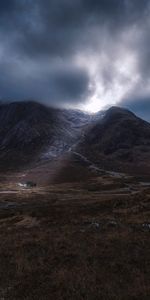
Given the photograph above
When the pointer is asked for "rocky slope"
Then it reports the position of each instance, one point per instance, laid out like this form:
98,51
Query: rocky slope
119,140
30,131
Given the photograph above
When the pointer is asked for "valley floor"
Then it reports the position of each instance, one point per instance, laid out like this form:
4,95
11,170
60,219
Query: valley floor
75,241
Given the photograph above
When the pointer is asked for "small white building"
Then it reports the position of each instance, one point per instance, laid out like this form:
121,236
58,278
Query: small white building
28,184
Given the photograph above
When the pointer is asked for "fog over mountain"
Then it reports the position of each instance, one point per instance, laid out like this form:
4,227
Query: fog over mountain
86,54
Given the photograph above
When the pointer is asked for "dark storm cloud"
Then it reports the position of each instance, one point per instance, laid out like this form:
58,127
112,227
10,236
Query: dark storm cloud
62,84
58,27
6,6
41,40
70,83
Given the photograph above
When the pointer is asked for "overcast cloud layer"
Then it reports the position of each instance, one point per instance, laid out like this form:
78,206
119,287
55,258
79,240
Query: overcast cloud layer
82,53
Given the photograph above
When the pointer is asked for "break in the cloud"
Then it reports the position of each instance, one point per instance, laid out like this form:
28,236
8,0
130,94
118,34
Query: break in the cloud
141,106
84,53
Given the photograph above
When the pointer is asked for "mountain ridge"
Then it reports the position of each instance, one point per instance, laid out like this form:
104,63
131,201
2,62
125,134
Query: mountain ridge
31,132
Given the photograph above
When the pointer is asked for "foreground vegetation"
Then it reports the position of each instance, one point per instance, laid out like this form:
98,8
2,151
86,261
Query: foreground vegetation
76,241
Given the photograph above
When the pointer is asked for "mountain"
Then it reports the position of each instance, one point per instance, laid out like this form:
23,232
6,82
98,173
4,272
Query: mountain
30,131
115,139
118,140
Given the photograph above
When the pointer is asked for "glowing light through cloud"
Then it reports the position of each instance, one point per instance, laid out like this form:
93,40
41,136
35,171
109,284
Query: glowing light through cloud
106,89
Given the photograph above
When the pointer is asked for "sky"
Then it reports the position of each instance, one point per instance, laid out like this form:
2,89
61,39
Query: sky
87,54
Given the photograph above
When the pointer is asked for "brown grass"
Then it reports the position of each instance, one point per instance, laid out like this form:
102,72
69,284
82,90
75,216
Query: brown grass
73,243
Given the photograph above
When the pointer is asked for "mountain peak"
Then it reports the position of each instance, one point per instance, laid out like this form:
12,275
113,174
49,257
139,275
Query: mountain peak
116,110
